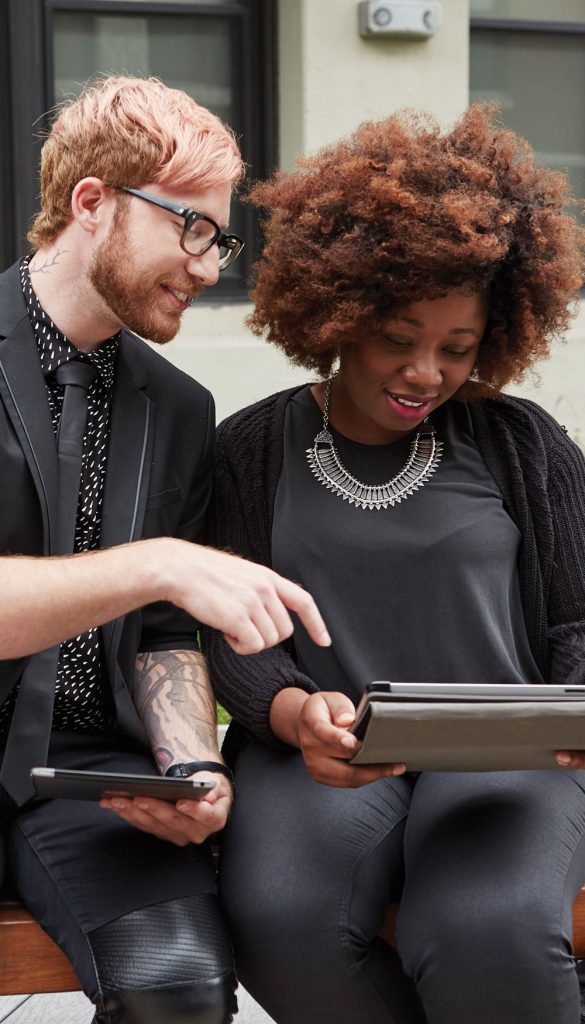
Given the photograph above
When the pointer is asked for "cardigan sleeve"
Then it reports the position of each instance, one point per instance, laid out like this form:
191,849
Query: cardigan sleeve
566,606
541,475
240,522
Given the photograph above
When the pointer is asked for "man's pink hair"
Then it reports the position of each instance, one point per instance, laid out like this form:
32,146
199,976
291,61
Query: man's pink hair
130,131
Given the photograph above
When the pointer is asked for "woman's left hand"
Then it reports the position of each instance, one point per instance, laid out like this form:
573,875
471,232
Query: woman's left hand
327,745
571,758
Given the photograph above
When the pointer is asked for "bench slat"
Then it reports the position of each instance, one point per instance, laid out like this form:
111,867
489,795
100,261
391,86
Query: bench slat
30,962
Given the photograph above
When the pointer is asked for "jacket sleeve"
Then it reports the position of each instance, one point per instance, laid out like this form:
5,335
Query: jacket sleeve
246,685
164,626
566,606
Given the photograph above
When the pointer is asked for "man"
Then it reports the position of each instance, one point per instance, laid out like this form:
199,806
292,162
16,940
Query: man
112,462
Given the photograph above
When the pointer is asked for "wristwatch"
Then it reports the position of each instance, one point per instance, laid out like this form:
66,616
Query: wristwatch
183,769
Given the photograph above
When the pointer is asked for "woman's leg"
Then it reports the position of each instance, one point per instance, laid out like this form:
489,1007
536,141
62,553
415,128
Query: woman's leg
306,874
493,864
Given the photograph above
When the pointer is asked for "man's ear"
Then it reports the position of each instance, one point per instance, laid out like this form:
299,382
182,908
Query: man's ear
91,203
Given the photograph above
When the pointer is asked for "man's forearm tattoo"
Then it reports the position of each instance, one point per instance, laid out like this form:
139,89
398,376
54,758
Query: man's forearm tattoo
176,706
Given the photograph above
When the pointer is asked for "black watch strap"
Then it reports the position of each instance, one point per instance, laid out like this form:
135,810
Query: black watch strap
183,770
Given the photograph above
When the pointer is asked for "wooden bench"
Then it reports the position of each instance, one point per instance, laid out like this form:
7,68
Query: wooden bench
31,963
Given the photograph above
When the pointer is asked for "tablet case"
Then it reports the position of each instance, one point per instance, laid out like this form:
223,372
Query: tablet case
470,736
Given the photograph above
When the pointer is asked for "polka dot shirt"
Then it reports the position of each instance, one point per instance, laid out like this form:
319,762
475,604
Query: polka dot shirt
82,694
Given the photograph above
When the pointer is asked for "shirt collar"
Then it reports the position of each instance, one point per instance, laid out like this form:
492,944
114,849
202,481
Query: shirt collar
53,346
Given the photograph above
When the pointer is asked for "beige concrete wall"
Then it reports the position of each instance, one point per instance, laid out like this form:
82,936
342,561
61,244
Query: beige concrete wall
330,81
557,383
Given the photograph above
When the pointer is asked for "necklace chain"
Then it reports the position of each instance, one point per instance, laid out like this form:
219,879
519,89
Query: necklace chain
423,459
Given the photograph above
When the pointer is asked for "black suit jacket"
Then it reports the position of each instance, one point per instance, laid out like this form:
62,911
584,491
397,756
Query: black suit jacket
157,483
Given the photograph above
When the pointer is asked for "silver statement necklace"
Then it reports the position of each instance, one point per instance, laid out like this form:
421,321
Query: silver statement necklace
323,458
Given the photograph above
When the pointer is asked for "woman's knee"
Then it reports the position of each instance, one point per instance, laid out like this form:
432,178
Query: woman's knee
464,938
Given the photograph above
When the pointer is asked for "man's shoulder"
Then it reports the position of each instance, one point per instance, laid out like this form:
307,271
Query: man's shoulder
12,304
154,370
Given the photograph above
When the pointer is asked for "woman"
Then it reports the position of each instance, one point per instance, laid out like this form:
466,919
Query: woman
418,272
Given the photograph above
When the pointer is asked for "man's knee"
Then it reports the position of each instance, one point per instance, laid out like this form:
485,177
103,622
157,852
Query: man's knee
170,963
211,1002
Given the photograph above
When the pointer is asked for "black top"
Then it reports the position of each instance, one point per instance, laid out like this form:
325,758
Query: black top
424,591
540,473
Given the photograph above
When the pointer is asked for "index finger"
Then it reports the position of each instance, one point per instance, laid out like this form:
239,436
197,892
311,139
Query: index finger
301,602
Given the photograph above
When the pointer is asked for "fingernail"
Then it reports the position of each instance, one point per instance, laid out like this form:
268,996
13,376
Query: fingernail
563,759
142,805
326,639
348,741
118,805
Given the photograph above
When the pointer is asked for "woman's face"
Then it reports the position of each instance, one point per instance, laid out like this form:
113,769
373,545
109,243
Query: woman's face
425,352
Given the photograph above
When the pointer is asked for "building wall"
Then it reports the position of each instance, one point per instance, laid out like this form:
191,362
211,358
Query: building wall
330,81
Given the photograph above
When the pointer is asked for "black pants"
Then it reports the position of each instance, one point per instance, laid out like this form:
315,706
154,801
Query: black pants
138,917
486,867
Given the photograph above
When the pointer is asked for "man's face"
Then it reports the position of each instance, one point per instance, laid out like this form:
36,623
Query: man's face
140,270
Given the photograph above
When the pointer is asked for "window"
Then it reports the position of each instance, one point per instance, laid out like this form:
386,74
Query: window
529,56
220,53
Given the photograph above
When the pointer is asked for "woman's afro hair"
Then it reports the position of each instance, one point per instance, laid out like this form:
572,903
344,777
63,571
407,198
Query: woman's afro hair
402,211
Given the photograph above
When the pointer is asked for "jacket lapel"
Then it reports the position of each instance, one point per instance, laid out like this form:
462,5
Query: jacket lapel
23,392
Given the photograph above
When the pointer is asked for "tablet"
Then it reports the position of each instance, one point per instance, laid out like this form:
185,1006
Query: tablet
68,784
382,689
469,727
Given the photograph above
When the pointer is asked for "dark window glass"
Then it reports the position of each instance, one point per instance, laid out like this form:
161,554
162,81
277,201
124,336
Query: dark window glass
516,68
219,52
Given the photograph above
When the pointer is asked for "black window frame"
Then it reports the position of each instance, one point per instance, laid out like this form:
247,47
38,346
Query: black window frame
527,25
26,98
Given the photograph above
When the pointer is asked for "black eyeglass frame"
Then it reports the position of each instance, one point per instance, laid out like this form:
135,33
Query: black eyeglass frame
233,243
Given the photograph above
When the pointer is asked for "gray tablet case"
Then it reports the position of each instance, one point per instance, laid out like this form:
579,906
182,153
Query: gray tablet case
476,736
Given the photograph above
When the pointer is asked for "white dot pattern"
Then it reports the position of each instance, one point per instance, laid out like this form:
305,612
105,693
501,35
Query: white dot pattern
82,693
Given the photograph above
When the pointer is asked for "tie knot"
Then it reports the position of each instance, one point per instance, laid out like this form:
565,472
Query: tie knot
75,372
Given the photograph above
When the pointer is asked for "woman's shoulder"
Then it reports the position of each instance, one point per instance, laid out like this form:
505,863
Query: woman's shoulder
518,428
258,418
514,413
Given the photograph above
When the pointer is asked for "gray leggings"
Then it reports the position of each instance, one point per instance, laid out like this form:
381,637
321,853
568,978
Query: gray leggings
486,867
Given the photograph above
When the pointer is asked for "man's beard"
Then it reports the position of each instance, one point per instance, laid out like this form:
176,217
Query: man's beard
126,291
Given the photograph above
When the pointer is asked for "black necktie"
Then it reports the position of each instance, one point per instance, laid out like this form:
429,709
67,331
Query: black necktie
30,729
76,377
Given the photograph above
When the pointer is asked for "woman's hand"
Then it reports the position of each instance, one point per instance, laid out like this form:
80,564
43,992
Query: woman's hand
318,724
571,758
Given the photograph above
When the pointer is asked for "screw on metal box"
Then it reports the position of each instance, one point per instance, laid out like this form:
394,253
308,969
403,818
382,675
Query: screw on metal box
382,16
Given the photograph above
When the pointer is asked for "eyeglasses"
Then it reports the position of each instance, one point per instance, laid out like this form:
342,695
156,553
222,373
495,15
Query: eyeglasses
200,232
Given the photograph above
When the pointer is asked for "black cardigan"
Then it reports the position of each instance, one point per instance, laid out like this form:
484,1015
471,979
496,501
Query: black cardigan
541,475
